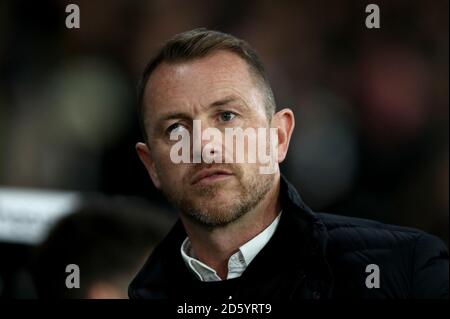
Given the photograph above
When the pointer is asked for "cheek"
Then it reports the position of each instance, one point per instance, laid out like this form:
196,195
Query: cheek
167,168
171,174
164,165
249,171
262,143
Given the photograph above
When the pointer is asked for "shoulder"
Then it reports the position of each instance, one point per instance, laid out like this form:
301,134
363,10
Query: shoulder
358,234
411,262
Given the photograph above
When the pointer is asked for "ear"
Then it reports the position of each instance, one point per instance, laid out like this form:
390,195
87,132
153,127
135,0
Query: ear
146,158
284,121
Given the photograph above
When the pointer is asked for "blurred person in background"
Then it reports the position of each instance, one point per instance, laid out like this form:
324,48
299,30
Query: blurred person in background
108,241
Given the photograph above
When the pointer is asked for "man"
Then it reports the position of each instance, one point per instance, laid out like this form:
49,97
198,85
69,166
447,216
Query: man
244,234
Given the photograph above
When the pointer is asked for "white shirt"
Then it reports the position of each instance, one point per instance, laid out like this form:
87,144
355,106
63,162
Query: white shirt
237,263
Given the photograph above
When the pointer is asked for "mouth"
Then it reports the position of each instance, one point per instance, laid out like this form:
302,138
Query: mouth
208,176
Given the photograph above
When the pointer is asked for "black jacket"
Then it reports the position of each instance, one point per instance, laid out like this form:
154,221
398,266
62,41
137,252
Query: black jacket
312,256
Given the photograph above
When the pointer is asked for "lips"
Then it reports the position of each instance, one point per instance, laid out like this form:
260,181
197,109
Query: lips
210,173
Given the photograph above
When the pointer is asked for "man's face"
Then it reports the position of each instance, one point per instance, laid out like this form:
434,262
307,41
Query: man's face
219,91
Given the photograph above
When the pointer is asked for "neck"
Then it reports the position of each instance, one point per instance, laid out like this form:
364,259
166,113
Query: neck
215,247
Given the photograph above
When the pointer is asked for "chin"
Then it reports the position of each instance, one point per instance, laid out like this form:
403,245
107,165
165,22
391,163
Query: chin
215,217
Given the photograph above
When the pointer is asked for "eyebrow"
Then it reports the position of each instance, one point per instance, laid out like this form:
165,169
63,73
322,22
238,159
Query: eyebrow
181,115
171,116
224,101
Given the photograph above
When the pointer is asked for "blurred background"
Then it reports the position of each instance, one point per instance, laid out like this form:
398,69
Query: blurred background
371,105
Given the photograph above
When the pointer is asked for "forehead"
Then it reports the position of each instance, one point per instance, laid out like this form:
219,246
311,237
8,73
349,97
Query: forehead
200,82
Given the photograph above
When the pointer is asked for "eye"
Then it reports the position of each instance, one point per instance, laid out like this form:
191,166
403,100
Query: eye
175,128
227,116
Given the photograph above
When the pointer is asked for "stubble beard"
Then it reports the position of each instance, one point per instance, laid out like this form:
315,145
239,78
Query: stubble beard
200,203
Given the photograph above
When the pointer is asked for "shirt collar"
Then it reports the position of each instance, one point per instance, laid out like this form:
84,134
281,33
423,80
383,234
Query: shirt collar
237,263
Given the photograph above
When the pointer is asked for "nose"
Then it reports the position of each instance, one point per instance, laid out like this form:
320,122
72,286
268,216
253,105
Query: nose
207,142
